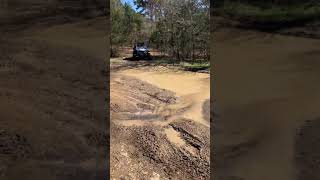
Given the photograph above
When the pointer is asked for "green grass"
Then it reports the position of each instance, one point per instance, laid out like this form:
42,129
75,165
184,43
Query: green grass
196,66
186,65
270,14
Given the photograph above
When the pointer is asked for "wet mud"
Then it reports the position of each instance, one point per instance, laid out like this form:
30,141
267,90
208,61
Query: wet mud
266,92
158,127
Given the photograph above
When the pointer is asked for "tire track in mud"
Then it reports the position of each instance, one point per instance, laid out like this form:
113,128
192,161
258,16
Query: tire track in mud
155,126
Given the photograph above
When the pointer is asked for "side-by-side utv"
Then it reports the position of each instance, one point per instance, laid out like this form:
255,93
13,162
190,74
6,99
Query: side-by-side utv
141,51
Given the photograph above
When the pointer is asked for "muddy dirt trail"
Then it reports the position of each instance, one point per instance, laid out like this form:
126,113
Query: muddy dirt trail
52,101
160,123
267,89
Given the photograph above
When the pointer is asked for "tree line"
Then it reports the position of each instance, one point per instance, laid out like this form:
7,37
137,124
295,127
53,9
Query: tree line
125,25
177,28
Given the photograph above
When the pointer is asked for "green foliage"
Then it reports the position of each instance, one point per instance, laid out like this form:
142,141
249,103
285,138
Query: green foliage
190,66
182,28
178,28
125,24
197,66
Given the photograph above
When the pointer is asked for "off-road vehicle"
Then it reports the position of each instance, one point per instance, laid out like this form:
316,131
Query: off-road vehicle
141,51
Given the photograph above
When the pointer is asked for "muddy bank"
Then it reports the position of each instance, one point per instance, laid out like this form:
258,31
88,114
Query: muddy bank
266,90
152,132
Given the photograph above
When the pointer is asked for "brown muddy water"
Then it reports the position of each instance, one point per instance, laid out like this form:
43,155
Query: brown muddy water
192,88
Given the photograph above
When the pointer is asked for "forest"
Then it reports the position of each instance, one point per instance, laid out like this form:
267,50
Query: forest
179,29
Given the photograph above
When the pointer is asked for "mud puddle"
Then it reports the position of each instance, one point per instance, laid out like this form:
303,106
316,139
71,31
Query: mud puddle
192,90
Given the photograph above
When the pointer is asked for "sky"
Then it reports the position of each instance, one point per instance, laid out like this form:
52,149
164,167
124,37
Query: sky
130,2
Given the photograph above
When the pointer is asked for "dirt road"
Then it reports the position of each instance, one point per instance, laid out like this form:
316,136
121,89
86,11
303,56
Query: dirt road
160,122
268,100
52,101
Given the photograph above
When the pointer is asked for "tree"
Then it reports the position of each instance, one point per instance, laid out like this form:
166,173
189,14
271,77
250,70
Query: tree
182,28
125,24
178,28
